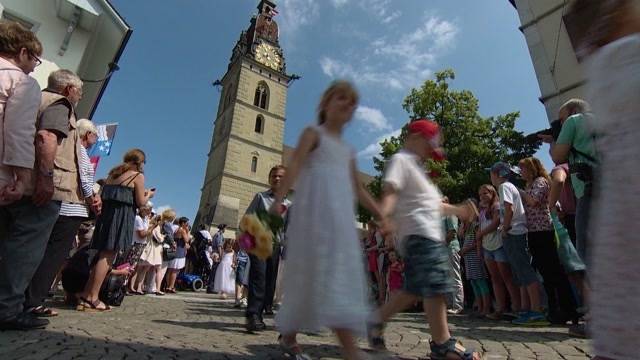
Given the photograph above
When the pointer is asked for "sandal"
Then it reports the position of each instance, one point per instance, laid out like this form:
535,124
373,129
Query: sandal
292,350
494,316
170,291
451,347
95,306
43,311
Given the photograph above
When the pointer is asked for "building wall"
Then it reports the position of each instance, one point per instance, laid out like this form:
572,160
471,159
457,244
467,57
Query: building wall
560,75
235,142
51,33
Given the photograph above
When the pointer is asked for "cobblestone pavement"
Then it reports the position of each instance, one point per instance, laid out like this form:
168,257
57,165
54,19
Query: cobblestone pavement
200,326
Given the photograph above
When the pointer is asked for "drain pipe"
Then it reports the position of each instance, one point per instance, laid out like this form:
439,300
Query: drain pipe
73,23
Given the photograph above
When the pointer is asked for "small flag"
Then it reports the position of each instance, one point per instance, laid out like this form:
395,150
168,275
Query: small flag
102,147
273,12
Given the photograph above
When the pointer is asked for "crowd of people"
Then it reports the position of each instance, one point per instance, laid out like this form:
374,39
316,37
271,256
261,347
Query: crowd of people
534,247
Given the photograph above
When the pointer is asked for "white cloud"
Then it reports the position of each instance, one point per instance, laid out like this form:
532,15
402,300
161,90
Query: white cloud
381,9
374,148
339,3
401,62
372,117
293,14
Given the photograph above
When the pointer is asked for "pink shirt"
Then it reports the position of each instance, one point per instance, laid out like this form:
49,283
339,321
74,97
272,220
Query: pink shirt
19,103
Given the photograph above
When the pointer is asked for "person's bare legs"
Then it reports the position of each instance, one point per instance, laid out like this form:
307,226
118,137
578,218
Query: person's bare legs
350,349
435,309
141,272
98,274
172,274
525,303
399,301
160,271
514,292
498,285
533,290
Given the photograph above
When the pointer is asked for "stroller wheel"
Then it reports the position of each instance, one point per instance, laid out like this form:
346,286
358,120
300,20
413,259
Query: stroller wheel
197,284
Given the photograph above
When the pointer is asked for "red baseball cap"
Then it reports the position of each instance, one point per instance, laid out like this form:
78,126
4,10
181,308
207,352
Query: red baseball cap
431,132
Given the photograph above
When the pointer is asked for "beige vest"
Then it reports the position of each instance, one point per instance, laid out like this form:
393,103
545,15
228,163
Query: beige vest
66,175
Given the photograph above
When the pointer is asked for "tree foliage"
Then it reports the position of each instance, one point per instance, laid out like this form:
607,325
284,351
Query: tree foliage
472,142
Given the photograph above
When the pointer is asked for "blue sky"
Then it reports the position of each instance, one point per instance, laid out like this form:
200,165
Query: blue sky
164,102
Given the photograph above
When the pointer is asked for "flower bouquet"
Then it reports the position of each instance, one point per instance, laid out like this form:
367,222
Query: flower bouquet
259,233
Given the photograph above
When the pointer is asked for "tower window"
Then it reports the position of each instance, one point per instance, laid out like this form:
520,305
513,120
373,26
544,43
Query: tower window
261,97
259,127
254,164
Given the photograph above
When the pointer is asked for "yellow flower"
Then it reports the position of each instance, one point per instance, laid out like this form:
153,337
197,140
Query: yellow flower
254,226
244,222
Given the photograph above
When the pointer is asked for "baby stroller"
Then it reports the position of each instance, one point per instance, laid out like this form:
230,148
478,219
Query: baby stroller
200,267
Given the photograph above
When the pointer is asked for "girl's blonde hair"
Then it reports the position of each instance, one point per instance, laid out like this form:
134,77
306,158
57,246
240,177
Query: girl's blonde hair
535,167
336,87
168,215
495,199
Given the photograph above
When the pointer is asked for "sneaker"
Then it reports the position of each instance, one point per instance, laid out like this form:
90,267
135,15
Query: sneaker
244,302
531,318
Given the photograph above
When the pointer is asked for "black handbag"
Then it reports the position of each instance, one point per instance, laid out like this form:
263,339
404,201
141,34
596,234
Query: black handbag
112,291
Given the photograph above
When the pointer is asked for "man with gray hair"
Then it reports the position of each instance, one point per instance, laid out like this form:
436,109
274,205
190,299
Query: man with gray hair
575,144
74,185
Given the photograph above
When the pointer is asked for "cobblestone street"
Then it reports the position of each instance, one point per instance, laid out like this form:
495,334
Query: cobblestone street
200,326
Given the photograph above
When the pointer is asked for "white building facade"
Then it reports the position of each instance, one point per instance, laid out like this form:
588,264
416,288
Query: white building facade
560,75
84,36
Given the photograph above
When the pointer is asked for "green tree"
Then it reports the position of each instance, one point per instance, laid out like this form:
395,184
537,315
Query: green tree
472,142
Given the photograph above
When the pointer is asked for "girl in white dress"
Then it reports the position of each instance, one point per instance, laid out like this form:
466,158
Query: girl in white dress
225,280
324,280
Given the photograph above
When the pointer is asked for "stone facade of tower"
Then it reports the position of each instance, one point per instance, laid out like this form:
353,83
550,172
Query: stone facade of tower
249,128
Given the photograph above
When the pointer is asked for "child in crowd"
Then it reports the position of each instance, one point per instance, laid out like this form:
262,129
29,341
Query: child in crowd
394,276
495,257
241,262
325,286
225,281
513,227
416,204
474,268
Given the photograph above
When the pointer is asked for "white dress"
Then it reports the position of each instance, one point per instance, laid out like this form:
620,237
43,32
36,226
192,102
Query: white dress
324,281
614,93
225,280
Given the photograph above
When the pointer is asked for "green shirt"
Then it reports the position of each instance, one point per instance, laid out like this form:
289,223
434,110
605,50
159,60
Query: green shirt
576,134
451,224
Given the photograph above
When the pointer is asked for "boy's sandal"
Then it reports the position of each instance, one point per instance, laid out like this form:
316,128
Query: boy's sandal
451,347
43,311
375,336
292,350
494,316
95,306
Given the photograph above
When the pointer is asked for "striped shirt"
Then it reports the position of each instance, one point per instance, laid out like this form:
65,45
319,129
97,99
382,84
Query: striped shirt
86,182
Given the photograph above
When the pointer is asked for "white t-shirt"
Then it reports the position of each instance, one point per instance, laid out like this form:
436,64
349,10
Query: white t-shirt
142,225
510,194
418,210
206,234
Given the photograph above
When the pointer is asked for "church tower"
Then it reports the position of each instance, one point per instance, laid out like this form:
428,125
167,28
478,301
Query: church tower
249,127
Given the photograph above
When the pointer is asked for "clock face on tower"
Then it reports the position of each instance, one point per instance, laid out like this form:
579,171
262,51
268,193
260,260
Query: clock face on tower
268,55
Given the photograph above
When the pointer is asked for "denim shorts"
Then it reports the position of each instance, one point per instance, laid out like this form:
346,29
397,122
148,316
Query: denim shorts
515,246
240,273
497,255
427,270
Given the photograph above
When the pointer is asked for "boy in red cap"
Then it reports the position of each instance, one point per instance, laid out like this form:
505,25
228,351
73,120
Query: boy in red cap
417,209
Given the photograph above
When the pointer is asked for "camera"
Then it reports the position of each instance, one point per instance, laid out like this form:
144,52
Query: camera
554,131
